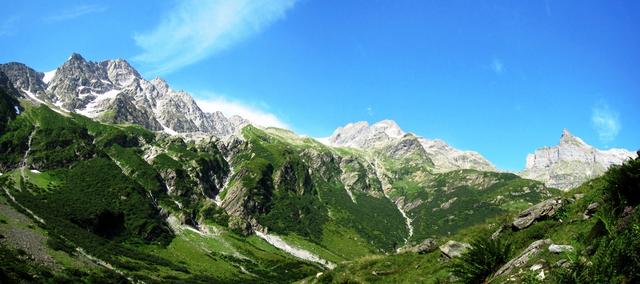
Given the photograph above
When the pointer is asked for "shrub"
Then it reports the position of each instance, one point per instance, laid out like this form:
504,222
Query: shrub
481,260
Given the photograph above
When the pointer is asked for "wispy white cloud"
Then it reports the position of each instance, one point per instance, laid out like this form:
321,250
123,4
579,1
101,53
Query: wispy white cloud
194,30
370,111
606,122
215,102
497,66
7,26
75,12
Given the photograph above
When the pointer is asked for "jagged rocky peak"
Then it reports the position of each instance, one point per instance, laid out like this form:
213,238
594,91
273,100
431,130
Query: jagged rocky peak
362,135
571,162
113,91
569,139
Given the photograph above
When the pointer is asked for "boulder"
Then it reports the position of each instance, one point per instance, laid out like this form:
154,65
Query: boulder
591,209
560,248
425,246
533,249
539,211
454,249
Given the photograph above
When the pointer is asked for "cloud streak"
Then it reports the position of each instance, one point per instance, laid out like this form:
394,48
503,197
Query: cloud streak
606,122
75,12
230,108
195,30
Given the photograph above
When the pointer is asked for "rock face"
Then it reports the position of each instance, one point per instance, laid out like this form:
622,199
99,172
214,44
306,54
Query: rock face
522,259
454,249
388,136
539,211
571,162
112,91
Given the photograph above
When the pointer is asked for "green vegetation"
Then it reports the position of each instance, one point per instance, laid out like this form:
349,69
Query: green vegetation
485,256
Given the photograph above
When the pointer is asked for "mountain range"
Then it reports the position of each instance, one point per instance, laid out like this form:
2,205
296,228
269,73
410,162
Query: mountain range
112,91
132,176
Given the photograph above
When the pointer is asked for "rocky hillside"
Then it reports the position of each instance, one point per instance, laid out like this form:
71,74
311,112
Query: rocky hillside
588,235
112,91
571,162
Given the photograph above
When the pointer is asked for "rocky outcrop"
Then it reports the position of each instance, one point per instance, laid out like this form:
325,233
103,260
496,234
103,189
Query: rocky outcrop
425,246
571,162
454,249
522,259
359,176
591,209
542,210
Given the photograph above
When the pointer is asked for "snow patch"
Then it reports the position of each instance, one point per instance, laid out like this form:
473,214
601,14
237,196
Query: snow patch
218,200
17,109
48,76
91,110
297,252
35,171
168,130
33,97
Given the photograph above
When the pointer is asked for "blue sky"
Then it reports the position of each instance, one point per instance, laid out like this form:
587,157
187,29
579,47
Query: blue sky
499,77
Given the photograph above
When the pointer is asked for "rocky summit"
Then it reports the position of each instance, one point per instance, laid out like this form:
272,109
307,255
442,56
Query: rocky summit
113,91
571,162
386,133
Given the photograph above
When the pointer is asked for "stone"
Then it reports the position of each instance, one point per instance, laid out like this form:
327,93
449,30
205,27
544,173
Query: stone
533,249
425,246
454,249
591,209
539,211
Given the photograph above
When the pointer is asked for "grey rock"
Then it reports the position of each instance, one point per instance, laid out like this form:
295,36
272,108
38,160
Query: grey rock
591,209
454,249
517,262
425,246
539,211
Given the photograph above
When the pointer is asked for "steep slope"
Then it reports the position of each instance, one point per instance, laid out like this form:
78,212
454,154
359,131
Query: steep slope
571,162
112,91
125,200
445,158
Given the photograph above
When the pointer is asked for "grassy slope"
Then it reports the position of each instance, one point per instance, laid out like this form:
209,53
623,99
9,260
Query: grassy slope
93,192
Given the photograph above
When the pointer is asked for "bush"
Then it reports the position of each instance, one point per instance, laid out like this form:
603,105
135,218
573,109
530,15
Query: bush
623,186
479,262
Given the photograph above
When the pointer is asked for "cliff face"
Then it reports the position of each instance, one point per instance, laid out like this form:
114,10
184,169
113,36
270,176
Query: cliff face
571,162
